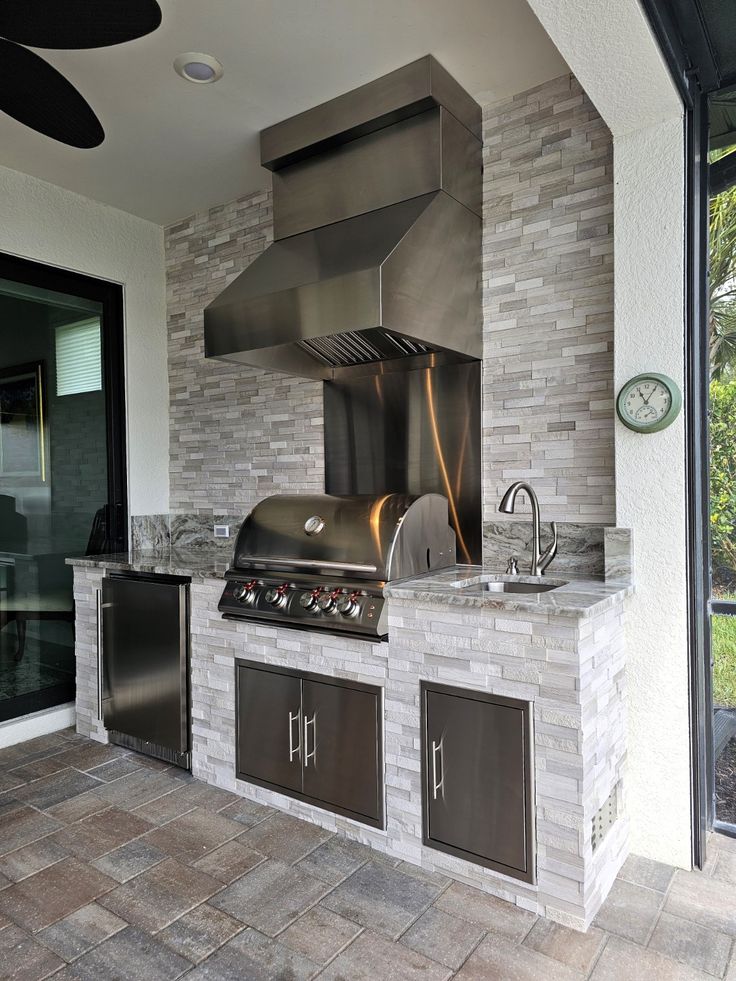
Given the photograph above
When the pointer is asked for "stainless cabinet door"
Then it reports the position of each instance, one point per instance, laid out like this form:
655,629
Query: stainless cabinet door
269,728
341,749
144,661
476,770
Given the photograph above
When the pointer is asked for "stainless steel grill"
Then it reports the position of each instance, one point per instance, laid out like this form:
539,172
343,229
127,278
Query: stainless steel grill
320,562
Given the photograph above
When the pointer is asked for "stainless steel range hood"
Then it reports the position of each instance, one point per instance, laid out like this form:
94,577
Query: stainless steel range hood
376,258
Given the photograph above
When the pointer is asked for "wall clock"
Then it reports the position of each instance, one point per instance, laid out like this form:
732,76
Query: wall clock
649,403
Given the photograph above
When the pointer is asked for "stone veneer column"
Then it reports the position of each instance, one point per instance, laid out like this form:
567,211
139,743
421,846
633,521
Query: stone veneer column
548,302
87,582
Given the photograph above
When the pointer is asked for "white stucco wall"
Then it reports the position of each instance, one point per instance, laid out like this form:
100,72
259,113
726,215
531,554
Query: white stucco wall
612,52
650,487
610,48
49,224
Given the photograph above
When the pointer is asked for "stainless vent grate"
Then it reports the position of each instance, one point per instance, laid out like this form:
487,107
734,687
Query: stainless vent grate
605,818
151,749
361,347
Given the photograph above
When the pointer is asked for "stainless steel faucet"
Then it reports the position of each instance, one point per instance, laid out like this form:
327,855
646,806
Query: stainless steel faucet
540,560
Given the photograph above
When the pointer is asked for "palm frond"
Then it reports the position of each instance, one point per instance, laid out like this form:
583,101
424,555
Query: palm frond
722,280
722,337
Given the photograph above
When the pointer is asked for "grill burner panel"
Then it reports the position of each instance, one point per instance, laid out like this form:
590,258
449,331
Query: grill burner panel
321,562
352,610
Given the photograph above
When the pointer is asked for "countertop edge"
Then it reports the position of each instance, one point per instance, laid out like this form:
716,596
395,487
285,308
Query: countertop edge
198,564
579,598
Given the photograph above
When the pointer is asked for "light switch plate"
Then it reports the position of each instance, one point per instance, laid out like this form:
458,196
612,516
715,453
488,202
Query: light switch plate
222,531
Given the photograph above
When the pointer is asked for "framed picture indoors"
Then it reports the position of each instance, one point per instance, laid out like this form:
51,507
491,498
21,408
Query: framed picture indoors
22,435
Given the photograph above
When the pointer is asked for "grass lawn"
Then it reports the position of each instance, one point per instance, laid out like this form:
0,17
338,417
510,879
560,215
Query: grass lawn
724,660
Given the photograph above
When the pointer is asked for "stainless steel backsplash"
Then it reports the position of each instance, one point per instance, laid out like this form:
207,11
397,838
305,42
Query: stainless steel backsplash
415,432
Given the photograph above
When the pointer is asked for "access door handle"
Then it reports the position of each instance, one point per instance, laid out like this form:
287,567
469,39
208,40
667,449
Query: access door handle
437,785
294,750
307,755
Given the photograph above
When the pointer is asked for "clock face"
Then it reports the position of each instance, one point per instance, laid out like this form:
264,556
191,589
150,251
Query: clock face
649,403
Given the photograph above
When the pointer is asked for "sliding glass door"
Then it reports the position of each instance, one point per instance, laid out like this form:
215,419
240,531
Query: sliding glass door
722,433
62,467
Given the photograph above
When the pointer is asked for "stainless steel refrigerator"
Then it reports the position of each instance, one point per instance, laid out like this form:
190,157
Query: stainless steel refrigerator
145,664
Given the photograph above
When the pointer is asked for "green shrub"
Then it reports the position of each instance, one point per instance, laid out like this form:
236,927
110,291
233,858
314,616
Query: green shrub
724,660
723,483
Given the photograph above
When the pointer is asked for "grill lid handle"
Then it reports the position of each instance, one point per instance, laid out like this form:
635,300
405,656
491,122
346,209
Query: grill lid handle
272,560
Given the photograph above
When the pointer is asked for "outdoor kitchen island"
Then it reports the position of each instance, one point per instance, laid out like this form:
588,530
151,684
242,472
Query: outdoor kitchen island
559,652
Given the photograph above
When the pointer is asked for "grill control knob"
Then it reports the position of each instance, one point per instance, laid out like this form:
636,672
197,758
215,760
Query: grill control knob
348,606
326,603
276,596
308,601
243,592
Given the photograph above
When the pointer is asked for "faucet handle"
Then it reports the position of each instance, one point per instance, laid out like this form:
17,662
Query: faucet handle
512,569
549,553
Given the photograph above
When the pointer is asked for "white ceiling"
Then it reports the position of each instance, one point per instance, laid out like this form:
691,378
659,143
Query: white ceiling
173,148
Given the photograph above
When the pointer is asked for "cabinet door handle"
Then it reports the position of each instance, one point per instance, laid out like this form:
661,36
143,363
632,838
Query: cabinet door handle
99,654
437,785
294,750
307,755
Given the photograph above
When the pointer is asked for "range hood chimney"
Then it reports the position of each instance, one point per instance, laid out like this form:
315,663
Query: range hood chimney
376,258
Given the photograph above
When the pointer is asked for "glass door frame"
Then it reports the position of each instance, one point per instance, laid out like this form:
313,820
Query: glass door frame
681,40
111,298
697,377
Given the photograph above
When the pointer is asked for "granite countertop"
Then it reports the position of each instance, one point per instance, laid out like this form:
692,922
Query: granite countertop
197,563
460,585
463,586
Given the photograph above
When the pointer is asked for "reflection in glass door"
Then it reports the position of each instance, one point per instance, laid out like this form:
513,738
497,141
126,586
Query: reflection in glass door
722,436
61,468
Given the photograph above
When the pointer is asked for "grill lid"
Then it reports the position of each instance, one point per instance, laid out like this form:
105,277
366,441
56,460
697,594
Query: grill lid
359,537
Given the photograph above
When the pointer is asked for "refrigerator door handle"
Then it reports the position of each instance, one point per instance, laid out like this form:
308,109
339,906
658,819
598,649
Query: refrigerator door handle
184,666
98,593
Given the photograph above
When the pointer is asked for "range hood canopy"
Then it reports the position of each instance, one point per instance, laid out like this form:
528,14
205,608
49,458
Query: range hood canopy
376,256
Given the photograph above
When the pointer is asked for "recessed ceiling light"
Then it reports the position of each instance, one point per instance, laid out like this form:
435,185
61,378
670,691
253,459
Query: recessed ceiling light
197,67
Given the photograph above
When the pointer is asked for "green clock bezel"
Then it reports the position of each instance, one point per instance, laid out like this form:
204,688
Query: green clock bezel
667,420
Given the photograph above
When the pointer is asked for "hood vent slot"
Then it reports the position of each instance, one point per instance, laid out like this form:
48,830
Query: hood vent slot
361,347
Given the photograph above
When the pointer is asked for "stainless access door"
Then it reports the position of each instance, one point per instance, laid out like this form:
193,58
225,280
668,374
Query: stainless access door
477,778
145,647
341,750
269,728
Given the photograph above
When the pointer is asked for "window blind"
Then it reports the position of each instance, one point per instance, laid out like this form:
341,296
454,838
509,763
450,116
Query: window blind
78,358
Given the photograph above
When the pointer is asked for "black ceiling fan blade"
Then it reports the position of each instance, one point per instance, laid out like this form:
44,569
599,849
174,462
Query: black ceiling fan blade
77,23
36,94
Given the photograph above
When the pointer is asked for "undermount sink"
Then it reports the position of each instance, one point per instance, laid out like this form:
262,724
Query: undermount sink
519,587
529,585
